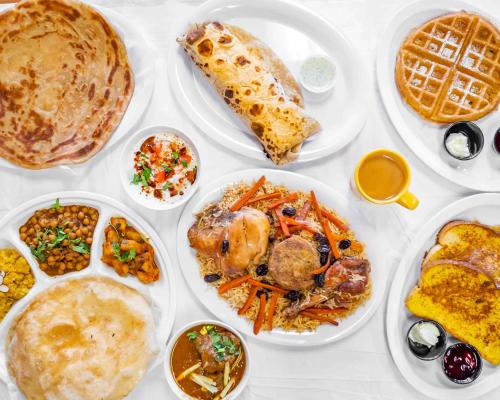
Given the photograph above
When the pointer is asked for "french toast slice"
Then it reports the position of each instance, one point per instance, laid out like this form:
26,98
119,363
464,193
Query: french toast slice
471,242
464,300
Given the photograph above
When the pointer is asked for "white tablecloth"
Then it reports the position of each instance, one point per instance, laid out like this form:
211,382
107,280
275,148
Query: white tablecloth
357,368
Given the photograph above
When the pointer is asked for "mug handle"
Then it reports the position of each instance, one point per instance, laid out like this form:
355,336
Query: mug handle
408,200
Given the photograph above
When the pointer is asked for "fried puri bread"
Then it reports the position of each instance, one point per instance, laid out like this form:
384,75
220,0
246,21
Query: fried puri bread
255,83
448,69
463,300
82,339
471,242
65,82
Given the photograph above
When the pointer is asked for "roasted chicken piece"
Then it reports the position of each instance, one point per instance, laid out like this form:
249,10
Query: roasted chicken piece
291,263
236,240
346,275
126,250
211,361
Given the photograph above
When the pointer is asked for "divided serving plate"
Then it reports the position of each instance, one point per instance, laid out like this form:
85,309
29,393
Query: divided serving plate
427,376
294,33
425,138
208,295
160,294
142,59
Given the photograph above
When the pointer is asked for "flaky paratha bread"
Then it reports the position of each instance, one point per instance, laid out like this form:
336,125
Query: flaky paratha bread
448,69
255,83
65,82
82,339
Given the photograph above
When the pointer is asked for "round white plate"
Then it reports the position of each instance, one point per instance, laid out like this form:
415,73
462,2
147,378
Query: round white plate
208,296
424,138
427,376
142,59
294,33
160,294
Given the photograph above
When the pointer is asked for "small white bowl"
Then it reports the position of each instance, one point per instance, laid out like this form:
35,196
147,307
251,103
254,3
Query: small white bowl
168,370
327,85
127,169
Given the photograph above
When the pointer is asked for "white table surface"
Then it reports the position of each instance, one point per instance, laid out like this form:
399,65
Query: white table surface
357,368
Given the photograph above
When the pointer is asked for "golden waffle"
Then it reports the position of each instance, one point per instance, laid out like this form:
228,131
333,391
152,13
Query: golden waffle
449,68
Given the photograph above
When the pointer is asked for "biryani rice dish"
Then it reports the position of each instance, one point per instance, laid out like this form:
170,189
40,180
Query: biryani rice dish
340,302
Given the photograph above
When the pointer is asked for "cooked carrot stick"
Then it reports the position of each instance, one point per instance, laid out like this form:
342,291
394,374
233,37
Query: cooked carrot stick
281,219
291,221
272,309
357,246
248,303
263,197
315,204
320,270
304,227
334,220
325,310
324,224
318,317
248,195
286,199
232,284
260,315
265,285
302,213
331,238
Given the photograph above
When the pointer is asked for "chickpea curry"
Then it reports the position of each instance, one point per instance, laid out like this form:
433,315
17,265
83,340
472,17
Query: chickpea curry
208,362
128,251
60,237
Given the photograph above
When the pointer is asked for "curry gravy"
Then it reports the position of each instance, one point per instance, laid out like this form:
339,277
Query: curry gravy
185,355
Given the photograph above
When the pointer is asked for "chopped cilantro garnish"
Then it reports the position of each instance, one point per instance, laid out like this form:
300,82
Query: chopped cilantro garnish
56,205
61,236
136,179
167,185
39,251
192,335
175,156
166,168
143,176
223,346
81,248
123,256
185,163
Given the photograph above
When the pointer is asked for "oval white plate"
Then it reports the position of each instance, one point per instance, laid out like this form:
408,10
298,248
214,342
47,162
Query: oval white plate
208,296
427,376
160,294
424,138
294,33
143,62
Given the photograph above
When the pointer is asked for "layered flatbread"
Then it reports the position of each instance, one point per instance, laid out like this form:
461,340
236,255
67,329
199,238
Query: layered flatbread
65,82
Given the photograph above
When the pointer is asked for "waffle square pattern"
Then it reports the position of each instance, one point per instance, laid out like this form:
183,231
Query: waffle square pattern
448,69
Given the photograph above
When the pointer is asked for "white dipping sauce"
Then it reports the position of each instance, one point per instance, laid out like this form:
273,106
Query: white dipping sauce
458,145
317,74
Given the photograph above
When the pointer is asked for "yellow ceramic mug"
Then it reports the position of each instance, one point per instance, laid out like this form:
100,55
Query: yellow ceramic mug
383,176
